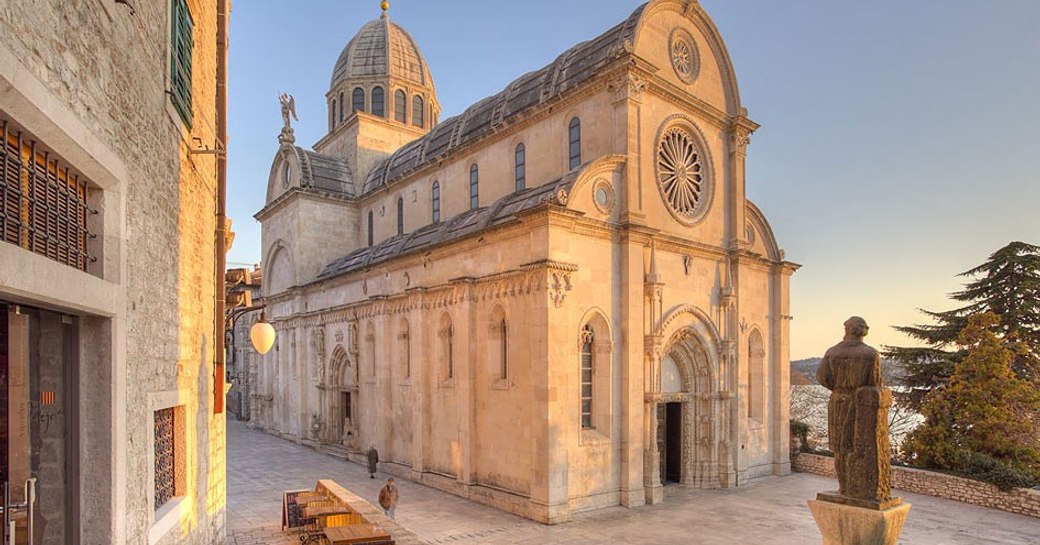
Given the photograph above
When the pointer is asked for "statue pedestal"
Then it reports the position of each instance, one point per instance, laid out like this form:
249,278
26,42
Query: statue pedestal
842,524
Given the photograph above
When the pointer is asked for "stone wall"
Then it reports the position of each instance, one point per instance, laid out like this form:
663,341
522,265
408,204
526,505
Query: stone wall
1023,501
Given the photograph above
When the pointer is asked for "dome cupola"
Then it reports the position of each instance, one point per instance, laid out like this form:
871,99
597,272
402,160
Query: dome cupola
382,72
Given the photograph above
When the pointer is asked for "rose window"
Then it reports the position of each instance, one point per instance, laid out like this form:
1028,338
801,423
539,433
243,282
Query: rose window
683,54
679,173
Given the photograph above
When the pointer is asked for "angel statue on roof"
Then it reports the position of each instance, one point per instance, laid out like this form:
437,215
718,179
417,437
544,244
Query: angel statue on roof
288,108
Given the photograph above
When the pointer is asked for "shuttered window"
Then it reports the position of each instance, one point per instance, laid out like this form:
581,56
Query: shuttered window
181,45
43,201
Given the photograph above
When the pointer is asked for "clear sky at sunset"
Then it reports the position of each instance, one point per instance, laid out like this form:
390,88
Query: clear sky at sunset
899,142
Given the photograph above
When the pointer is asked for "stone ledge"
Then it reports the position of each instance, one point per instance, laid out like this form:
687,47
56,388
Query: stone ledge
1022,501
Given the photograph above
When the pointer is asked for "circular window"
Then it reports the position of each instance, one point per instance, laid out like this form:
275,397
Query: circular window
684,55
682,175
603,196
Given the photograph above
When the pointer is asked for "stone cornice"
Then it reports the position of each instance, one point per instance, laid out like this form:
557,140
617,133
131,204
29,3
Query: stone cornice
310,193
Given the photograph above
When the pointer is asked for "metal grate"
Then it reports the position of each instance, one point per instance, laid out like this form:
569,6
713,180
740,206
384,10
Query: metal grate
165,468
586,379
43,202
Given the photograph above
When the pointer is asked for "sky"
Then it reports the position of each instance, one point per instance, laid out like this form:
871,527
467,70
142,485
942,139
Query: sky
898,147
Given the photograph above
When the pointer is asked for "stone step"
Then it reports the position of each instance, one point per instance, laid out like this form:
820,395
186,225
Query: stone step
339,451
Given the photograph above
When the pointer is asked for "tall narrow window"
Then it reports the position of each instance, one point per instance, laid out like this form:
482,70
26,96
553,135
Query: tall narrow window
474,187
371,224
436,201
358,100
451,352
400,215
574,133
521,169
417,112
586,377
341,106
400,104
378,105
168,483
332,115
756,376
406,350
181,44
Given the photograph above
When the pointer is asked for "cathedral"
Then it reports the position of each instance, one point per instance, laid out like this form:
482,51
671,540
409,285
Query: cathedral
559,300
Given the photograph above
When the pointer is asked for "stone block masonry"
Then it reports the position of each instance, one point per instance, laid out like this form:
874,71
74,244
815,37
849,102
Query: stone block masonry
1022,501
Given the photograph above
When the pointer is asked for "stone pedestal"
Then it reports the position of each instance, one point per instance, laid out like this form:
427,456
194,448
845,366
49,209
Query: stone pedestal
849,525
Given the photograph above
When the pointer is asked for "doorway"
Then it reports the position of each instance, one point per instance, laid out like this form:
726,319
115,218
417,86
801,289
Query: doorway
669,441
346,411
38,425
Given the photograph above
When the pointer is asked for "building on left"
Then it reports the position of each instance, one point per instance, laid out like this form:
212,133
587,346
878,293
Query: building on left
112,172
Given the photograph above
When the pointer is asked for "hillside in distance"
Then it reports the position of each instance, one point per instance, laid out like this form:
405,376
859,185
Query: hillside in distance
804,371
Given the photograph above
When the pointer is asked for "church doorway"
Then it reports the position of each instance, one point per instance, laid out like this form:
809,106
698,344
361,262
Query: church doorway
669,441
345,410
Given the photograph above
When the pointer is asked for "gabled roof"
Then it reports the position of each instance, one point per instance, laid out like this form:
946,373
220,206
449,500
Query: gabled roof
457,228
569,70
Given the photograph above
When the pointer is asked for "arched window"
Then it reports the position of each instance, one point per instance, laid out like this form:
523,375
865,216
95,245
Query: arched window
498,343
400,215
358,100
474,187
587,337
378,106
332,115
574,133
436,200
417,111
371,224
521,170
400,103
341,106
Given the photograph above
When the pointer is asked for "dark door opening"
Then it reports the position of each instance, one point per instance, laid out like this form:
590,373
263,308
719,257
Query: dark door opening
669,441
344,404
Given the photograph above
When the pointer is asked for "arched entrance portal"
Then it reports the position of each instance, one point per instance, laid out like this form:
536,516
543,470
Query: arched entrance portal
687,410
342,388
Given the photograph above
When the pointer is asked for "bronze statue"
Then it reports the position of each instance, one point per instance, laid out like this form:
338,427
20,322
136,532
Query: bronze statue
857,417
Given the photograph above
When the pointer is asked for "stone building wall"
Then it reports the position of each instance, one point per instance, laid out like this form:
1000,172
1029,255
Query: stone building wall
1023,501
98,71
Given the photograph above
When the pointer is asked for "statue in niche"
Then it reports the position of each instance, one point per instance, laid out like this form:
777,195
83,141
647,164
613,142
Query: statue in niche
857,418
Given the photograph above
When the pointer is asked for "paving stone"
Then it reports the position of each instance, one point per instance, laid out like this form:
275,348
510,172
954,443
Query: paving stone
770,512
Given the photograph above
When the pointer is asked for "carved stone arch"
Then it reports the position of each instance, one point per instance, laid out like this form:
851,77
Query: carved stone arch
696,370
681,316
276,184
341,368
699,18
607,167
279,268
598,319
764,232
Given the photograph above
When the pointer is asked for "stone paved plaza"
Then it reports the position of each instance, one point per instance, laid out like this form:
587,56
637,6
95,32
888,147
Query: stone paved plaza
772,512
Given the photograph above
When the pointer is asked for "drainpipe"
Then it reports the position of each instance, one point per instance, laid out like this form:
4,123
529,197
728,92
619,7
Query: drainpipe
221,236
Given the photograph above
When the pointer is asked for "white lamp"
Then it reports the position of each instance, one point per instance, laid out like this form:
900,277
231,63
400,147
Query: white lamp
262,334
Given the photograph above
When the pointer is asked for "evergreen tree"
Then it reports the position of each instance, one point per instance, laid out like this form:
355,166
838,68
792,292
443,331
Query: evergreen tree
985,409
1008,285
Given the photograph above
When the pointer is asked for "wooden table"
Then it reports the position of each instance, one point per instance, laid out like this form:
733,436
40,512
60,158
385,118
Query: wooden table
356,533
303,498
314,512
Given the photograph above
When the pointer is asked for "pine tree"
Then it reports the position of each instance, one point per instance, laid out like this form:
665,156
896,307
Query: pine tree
985,409
1008,285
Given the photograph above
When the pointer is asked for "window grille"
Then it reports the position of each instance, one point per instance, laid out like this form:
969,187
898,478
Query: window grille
43,202
181,45
417,111
436,202
165,463
358,99
474,187
378,104
586,378
575,143
400,215
521,169
400,104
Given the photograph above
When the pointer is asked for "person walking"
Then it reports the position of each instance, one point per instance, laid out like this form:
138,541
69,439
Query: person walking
388,497
373,460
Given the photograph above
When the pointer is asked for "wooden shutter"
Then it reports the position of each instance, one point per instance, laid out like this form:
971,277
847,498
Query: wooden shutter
181,46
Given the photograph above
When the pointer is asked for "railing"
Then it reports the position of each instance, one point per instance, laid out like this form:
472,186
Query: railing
44,204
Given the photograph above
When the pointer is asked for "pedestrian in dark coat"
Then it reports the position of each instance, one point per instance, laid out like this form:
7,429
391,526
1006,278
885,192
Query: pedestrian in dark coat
373,460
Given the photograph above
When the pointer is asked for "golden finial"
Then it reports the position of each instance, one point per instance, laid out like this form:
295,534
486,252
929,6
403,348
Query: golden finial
385,5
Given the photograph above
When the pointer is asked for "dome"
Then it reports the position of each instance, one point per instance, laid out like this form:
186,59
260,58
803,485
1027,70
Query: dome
382,49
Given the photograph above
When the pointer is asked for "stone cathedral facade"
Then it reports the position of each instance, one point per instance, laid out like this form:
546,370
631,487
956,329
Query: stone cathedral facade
559,300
